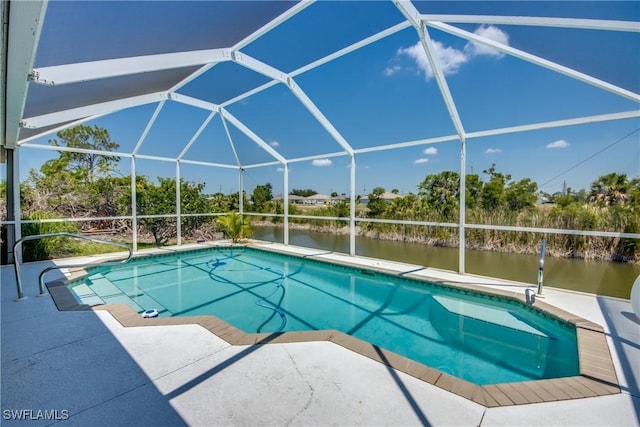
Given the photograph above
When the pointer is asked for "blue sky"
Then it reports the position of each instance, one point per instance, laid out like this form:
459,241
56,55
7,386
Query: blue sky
385,93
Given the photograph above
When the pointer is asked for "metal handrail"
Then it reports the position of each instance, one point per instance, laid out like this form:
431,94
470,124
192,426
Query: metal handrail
543,246
46,270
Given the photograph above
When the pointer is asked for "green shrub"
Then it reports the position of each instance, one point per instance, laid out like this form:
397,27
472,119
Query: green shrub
235,226
50,247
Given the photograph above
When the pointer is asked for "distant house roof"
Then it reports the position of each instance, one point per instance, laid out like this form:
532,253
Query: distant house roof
390,196
292,197
318,197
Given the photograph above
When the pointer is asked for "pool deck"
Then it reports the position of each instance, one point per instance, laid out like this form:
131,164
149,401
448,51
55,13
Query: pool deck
86,368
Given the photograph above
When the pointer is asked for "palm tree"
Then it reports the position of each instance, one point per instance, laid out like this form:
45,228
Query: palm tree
235,226
634,191
440,191
219,202
610,189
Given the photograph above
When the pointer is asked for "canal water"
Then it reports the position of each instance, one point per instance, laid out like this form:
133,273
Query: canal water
597,277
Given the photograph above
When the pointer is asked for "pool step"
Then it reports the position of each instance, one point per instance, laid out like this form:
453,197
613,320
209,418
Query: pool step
85,295
110,293
103,286
494,334
105,291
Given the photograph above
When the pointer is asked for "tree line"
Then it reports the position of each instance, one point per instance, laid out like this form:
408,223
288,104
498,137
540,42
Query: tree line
83,185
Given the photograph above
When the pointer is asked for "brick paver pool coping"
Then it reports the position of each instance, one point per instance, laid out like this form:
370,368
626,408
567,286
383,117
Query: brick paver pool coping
597,374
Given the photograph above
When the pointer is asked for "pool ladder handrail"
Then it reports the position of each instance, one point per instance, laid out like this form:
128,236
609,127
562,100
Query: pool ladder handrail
543,247
55,267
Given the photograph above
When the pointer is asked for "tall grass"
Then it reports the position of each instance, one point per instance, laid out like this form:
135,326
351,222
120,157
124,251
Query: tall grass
50,247
575,216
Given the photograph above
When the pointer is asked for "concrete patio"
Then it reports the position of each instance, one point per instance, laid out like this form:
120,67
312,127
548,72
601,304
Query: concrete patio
84,368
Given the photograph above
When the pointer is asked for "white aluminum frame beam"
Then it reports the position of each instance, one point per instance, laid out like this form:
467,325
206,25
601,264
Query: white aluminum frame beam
352,206
594,233
258,66
287,14
556,124
409,222
14,233
385,33
233,146
241,193
261,165
418,142
262,214
75,150
217,165
577,23
353,47
550,65
194,102
286,203
134,205
200,71
102,108
59,128
77,219
280,76
126,155
315,111
318,156
462,215
248,132
502,131
4,37
249,93
94,70
320,218
25,26
442,82
411,13
196,135
158,158
247,40
178,204
147,128
471,135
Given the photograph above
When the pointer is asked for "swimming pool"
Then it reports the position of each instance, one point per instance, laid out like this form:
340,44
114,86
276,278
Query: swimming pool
484,339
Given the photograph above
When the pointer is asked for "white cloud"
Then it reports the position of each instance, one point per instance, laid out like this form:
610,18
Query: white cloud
280,169
431,151
489,32
322,162
390,71
420,161
274,144
493,150
561,143
450,58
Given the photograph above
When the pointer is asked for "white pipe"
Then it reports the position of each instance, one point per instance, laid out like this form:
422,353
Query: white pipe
178,205
463,206
352,208
286,204
134,208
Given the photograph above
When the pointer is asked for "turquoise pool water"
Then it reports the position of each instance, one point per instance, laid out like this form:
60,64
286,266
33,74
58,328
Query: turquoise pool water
482,339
